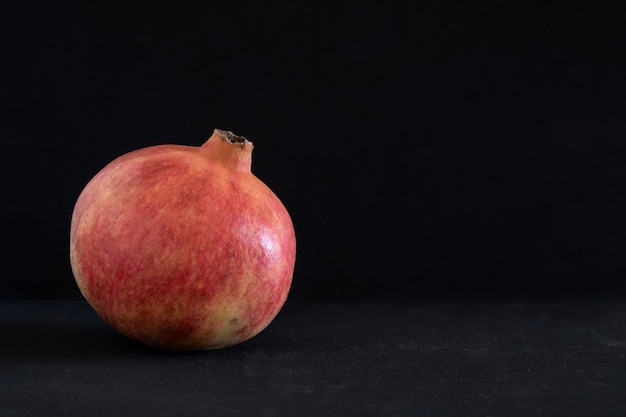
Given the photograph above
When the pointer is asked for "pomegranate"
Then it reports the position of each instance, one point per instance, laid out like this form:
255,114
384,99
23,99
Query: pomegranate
182,247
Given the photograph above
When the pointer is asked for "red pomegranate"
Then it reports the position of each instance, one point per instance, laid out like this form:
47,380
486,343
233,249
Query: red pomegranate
182,247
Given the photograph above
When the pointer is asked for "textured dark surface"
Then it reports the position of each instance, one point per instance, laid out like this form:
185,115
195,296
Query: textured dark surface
434,359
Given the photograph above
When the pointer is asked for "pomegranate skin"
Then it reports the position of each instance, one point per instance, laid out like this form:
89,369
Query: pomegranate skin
182,247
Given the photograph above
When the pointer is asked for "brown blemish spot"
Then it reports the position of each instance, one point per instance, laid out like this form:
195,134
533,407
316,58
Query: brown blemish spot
234,321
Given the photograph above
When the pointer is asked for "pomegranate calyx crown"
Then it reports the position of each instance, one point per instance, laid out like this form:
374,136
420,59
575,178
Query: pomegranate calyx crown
230,137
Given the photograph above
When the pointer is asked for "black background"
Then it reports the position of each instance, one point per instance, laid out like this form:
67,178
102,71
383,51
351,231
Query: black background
429,149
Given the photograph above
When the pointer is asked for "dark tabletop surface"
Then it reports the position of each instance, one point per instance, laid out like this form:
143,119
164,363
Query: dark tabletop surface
421,359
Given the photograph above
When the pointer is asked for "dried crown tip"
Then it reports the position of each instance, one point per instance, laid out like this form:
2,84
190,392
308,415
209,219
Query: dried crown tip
232,138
